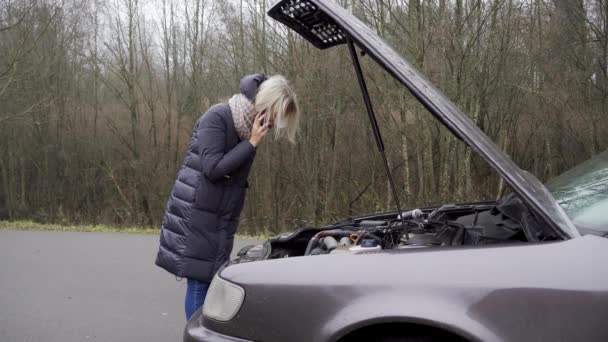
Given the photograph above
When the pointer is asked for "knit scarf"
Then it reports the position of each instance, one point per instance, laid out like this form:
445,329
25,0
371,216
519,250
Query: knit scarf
243,115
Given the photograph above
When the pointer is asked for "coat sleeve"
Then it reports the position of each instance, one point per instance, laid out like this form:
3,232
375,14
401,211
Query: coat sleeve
212,141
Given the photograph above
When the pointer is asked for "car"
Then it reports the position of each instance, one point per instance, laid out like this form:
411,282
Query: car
530,266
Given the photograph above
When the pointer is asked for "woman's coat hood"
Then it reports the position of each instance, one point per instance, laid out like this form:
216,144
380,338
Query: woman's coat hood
250,84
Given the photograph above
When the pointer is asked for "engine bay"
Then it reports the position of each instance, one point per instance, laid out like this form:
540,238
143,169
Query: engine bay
483,223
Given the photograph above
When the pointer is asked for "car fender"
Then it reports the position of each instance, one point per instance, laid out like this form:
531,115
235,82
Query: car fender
434,310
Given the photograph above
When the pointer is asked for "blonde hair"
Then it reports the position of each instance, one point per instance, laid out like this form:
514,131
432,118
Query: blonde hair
276,97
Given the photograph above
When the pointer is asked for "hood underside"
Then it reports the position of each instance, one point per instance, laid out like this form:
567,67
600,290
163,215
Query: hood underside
326,24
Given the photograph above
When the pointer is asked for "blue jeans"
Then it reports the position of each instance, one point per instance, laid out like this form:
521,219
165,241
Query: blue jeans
195,296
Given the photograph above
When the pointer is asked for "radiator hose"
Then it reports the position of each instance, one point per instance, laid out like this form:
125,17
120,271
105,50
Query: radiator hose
315,239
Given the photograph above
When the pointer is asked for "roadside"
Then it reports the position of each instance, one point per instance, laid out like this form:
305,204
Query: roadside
31,225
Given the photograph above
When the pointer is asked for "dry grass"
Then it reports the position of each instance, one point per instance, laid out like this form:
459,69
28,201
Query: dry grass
31,225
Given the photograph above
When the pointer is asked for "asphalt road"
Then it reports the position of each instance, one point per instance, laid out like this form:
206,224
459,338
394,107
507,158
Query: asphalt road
66,286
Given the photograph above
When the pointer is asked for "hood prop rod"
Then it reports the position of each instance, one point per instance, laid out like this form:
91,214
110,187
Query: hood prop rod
375,128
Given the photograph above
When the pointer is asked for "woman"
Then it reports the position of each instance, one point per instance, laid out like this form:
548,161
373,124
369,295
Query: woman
203,210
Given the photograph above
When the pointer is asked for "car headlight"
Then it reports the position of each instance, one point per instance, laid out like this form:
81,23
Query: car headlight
223,300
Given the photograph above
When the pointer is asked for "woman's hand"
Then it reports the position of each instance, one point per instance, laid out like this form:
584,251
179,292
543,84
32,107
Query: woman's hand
259,130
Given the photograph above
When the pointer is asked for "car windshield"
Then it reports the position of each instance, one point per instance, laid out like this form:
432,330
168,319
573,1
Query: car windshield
583,193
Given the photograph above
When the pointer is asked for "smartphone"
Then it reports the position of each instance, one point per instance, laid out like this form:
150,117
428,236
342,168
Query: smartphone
264,119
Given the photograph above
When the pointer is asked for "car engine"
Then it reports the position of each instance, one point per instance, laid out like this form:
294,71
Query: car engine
482,223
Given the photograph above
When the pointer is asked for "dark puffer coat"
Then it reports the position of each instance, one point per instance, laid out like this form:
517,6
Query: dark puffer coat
205,203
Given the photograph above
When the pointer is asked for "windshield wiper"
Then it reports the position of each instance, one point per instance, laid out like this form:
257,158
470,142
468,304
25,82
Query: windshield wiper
375,128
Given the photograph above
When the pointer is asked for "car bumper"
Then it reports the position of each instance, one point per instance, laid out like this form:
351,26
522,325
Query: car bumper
196,332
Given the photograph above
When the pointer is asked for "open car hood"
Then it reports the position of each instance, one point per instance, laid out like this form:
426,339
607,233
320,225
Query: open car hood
326,24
